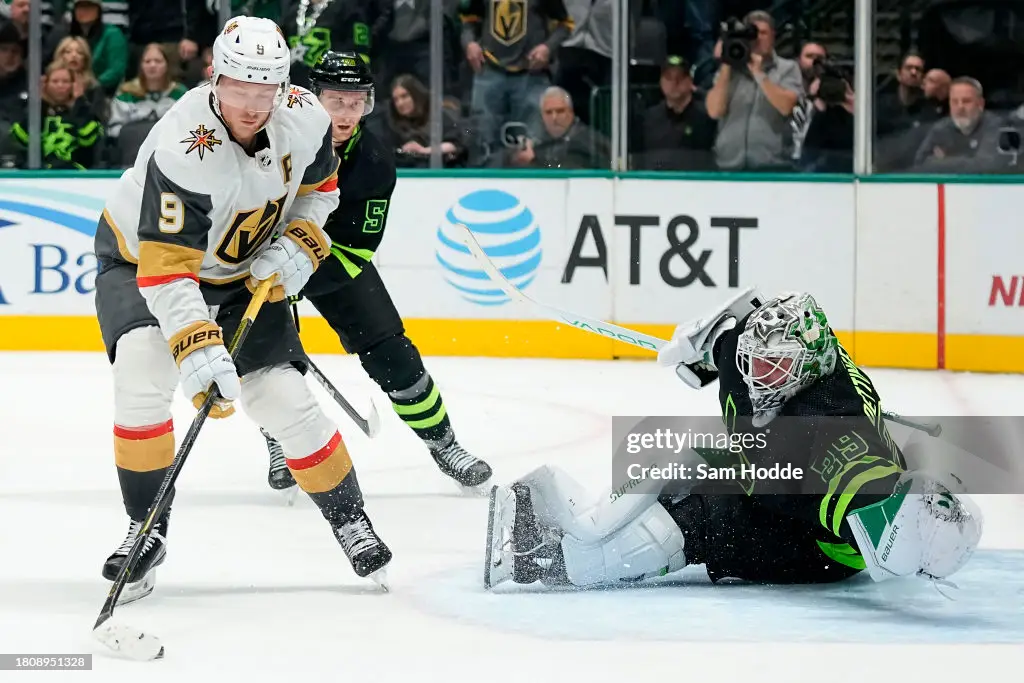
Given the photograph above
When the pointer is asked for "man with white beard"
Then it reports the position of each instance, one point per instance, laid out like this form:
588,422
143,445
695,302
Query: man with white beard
966,141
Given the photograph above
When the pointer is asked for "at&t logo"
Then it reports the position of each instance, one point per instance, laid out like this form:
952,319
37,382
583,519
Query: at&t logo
508,233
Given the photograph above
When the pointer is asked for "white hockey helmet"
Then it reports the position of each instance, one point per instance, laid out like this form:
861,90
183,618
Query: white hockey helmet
251,50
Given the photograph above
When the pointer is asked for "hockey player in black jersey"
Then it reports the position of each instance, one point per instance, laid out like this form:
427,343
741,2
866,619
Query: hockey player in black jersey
348,291
783,375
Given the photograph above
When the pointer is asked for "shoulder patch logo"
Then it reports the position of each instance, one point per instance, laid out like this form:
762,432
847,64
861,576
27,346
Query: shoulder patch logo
297,97
201,141
231,27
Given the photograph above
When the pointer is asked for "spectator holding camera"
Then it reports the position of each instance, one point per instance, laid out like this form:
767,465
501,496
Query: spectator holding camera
967,141
828,144
753,97
811,55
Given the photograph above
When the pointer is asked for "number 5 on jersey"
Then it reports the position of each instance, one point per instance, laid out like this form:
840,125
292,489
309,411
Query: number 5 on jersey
172,213
376,210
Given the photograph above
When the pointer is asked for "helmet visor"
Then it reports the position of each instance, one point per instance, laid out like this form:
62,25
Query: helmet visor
260,98
347,103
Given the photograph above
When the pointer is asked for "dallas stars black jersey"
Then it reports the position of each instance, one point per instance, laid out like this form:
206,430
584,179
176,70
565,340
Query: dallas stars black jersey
833,430
342,25
366,179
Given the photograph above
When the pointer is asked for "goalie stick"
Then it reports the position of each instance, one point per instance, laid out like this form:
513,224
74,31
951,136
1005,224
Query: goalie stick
611,330
369,425
119,637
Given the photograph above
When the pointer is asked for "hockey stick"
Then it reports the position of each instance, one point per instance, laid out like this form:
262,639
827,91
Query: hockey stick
130,641
929,428
369,425
607,329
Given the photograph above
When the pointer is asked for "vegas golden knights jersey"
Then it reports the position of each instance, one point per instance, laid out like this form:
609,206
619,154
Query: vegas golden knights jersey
196,206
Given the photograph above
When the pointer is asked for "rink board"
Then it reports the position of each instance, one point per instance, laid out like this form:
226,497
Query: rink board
913,274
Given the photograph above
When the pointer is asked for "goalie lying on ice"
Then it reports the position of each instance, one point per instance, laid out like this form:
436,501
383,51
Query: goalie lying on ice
775,360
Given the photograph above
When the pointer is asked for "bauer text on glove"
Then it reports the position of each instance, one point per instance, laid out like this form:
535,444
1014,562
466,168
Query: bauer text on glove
204,361
294,257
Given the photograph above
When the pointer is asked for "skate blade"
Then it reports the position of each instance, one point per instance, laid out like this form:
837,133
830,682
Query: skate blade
497,561
289,495
136,591
380,577
479,491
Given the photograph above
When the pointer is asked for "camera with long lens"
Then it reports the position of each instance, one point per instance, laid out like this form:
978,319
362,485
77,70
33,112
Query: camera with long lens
737,42
833,79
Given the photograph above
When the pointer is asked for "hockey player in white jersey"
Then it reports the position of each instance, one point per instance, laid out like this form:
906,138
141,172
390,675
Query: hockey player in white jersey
231,187
783,375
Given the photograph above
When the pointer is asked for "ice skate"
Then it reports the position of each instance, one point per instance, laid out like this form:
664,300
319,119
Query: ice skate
279,477
470,473
153,555
518,548
364,548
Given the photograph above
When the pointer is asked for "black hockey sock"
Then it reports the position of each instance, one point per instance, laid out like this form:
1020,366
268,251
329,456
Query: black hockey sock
142,456
422,409
329,478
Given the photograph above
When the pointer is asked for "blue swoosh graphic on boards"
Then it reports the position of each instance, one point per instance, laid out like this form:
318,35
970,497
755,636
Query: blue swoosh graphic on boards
85,201
86,226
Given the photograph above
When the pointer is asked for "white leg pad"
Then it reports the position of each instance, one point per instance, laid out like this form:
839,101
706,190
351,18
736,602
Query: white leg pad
145,377
560,501
279,400
649,545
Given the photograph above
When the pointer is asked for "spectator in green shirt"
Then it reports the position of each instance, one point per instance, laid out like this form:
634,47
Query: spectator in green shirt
148,96
108,44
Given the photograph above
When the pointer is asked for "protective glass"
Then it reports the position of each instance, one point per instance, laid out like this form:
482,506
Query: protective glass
260,98
347,103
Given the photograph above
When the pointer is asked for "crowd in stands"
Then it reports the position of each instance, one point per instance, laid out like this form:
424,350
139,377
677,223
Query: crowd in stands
526,84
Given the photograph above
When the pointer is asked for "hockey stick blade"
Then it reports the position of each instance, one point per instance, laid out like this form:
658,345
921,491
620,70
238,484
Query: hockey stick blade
369,425
129,642
580,322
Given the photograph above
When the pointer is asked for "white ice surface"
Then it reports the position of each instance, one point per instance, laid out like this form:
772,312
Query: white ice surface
255,591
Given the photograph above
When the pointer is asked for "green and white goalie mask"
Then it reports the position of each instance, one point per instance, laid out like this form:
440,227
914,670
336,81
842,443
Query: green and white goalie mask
785,346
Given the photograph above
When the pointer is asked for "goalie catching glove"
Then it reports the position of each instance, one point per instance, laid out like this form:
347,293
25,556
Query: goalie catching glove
203,361
293,257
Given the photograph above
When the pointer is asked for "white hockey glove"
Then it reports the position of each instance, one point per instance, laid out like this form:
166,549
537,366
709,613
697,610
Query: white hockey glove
293,257
691,350
923,529
203,361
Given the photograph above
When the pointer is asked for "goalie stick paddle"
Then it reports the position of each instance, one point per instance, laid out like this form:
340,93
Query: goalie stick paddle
129,641
607,329
369,425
